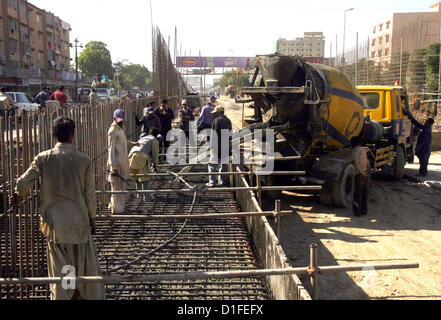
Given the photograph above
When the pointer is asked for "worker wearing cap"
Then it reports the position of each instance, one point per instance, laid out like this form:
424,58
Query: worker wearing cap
206,119
424,145
118,161
186,115
220,146
142,158
166,116
149,121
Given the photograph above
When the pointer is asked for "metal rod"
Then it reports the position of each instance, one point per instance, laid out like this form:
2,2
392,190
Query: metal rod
313,272
162,191
196,174
277,214
194,216
201,275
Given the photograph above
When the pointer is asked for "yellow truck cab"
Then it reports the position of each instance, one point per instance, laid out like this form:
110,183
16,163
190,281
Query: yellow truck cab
384,105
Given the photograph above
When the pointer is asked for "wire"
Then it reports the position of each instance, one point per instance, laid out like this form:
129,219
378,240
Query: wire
162,246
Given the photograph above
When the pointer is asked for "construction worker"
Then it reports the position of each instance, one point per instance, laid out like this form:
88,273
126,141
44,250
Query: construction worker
118,161
93,97
149,121
166,116
220,146
206,119
186,115
361,163
424,145
67,211
60,96
142,158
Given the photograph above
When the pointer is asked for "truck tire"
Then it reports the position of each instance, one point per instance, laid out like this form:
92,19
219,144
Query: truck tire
343,191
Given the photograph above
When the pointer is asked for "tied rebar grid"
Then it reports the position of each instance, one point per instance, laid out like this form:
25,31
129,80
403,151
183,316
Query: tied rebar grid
204,245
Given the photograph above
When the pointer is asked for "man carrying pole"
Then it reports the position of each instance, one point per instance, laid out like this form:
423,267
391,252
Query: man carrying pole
67,211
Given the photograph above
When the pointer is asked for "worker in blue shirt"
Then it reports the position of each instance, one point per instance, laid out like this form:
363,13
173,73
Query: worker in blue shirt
206,119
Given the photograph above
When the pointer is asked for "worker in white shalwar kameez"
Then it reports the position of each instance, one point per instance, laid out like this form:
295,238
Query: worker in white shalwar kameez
118,162
67,210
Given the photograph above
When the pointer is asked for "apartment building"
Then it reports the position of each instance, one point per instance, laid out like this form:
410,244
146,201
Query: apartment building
34,47
404,31
311,46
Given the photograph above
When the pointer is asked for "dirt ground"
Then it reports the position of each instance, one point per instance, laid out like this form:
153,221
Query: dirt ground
403,225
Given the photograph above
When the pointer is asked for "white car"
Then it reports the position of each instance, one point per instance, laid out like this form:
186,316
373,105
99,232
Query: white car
23,102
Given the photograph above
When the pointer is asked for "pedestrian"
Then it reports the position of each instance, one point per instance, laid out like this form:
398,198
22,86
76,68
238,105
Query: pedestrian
59,96
93,97
361,163
6,101
148,121
42,97
220,147
118,161
67,211
424,145
206,119
142,158
186,115
166,116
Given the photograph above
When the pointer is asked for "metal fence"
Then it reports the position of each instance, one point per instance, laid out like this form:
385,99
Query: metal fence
168,82
22,245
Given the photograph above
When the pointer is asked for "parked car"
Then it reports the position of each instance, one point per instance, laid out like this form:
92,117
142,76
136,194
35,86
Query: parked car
23,102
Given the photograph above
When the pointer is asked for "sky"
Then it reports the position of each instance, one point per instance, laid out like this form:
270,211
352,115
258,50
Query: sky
220,27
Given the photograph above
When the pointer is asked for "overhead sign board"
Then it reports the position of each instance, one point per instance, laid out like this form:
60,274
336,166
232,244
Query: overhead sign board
216,62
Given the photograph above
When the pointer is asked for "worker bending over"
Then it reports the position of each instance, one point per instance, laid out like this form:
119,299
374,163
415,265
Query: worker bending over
118,162
142,158
67,212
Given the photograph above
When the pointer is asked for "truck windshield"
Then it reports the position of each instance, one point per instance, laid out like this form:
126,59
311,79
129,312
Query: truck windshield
371,100
102,93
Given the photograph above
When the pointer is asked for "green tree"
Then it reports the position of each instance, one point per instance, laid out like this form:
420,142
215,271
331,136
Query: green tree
95,60
416,75
431,63
232,78
133,75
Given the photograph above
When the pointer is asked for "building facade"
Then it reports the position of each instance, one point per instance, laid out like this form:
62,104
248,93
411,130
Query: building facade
34,48
406,32
311,46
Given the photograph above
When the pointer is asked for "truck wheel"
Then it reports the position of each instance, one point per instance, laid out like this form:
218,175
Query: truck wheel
343,191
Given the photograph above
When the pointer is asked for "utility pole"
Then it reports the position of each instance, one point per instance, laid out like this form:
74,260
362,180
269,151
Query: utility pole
344,36
356,59
336,51
439,75
76,46
401,60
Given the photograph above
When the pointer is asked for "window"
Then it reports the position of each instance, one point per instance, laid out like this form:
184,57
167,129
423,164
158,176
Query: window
386,52
375,29
373,42
371,100
380,53
380,40
12,25
387,38
38,17
387,25
12,3
381,27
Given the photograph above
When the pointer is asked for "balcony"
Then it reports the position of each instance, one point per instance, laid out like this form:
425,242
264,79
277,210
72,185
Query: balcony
10,71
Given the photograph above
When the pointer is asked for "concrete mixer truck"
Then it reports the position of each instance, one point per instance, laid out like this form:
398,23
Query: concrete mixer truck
321,112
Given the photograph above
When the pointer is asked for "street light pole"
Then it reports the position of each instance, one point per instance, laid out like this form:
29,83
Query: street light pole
344,36
76,67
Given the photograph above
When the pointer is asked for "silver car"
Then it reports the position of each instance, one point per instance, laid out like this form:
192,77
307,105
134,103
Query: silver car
23,102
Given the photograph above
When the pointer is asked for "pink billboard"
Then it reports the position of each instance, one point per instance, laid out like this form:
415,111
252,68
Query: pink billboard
216,62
